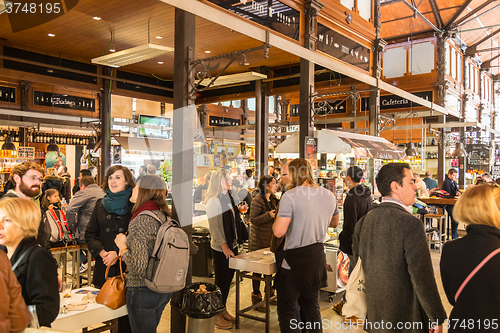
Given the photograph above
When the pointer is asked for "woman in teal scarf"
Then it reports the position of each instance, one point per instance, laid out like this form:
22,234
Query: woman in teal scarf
110,217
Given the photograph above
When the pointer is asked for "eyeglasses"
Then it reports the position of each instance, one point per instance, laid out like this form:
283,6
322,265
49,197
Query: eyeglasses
35,178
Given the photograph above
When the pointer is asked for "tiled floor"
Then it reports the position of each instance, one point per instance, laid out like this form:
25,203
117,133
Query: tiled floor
248,325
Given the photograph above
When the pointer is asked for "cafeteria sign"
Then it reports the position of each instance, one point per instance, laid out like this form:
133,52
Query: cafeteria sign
272,14
388,102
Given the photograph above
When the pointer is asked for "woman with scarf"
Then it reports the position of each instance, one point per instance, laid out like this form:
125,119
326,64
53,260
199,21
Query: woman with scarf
144,306
111,216
227,230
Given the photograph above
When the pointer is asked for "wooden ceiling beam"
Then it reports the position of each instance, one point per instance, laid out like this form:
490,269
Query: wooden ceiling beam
416,11
437,15
471,50
463,20
457,14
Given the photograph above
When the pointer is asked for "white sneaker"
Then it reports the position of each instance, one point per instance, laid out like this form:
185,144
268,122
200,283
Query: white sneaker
84,267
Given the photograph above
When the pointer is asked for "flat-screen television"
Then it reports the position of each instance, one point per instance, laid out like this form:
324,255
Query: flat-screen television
152,132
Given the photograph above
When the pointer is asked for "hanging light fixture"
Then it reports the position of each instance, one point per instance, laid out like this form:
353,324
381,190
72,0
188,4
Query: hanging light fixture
8,145
410,150
91,144
52,145
459,150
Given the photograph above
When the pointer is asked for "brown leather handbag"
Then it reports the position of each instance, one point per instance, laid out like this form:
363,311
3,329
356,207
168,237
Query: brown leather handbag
112,293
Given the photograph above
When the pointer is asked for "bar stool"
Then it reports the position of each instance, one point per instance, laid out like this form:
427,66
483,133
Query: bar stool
441,220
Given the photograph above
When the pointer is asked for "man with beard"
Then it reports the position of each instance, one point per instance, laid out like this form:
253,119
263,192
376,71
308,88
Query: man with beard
28,178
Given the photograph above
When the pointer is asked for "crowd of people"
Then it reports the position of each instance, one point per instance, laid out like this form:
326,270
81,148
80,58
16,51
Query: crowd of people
391,242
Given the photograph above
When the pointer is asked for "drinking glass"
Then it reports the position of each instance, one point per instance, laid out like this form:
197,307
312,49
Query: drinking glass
66,289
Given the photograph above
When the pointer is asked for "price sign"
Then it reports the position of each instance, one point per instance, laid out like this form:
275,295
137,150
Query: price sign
26,152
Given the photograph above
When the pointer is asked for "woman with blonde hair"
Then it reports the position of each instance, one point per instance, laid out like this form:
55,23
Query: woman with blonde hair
470,266
225,228
144,306
305,213
34,267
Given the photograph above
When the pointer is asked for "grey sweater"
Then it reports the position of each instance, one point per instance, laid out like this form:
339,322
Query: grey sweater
400,282
141,239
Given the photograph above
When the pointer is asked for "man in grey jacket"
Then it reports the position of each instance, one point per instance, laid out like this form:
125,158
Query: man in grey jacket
401,291
80,209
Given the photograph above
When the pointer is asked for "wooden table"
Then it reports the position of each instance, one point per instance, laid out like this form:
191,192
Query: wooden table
261,262
441,202
92,315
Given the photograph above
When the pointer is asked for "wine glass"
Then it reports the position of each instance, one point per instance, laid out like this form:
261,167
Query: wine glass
243,208
66,289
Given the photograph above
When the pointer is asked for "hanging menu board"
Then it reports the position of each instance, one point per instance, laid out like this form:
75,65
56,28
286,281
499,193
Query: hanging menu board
478,157
26,152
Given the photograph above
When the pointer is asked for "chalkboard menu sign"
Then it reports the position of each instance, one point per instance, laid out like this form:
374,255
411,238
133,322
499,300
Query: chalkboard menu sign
26,152
478,157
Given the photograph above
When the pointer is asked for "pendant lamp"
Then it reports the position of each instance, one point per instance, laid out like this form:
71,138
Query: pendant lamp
52,145
8,145
410,151
91,144
459,151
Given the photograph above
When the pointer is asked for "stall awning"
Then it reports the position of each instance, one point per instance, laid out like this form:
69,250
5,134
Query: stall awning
335,142
144,144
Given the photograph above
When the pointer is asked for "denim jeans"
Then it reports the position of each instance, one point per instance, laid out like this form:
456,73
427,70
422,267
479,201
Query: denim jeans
288,299
454,225
145,308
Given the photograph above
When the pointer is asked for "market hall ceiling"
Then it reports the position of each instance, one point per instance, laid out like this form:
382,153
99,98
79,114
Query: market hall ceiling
475,22
124,24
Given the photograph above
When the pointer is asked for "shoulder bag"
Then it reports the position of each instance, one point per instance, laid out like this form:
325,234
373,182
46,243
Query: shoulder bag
112,293
355,292
478,267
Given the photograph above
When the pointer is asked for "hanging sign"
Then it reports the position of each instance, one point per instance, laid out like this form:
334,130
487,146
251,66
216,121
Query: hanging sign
388,102
63,101
272,14
222,122
342,48
7,94
26,152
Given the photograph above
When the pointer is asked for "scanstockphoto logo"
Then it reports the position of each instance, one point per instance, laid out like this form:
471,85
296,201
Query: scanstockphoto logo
24,15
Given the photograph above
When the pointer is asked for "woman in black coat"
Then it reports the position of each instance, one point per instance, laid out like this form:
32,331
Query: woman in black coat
34,267
477,307
110,217
262,213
